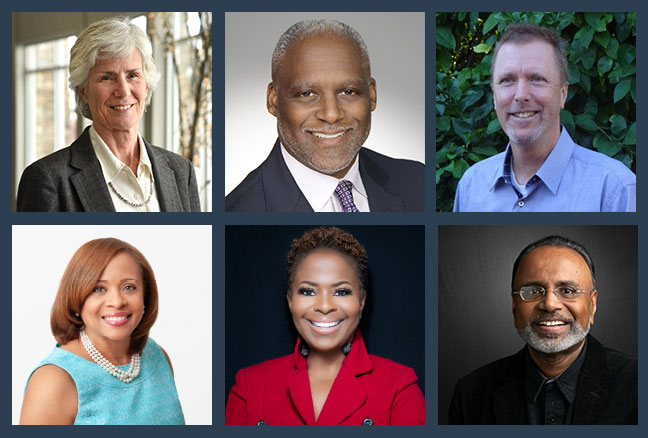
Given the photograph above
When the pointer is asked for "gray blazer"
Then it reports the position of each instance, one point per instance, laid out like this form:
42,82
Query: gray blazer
71,180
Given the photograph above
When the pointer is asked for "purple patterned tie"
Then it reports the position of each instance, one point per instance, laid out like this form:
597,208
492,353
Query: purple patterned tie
343,192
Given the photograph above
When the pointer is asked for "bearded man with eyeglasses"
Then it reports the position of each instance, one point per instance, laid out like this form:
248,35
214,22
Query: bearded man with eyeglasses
563,375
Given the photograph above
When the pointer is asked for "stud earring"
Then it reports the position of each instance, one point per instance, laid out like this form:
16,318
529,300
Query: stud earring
346,348
304,350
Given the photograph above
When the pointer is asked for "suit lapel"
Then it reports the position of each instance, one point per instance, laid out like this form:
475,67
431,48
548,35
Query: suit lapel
89,182
281,190
592,399
299,387
508,400
165,182
375,180
346,397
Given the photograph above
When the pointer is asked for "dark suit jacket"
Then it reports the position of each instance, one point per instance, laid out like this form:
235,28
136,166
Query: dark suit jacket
367,387
391,184
71,180
495,394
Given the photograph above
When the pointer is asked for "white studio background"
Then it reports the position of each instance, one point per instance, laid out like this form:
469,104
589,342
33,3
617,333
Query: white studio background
181,258
396,43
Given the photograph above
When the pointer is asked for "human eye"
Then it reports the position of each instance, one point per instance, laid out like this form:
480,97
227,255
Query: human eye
342,292
99,289
531,292
306,291
350,92
105,78
130,287
568,292
306,93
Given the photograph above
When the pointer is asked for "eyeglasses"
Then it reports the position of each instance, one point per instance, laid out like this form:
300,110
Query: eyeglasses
564,293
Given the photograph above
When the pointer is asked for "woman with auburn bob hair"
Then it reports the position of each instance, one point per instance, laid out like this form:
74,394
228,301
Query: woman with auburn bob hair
330,378
104,368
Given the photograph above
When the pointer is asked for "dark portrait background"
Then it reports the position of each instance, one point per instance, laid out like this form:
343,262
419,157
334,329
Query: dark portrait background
475,316
258,324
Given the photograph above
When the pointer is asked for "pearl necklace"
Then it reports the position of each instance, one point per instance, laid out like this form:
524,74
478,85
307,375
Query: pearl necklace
133,204
124,376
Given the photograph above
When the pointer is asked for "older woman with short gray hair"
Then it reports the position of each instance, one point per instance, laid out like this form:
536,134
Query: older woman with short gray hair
110,167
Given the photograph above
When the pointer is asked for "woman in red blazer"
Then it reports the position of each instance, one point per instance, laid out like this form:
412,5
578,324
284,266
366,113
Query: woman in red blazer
330,378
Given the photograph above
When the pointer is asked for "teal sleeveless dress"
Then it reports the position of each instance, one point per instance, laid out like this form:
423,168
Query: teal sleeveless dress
151,398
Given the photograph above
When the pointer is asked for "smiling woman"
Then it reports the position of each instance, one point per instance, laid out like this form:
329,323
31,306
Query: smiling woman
330,378
110,167
105,306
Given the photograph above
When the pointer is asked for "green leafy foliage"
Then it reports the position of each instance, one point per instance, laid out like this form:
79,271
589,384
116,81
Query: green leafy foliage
600,112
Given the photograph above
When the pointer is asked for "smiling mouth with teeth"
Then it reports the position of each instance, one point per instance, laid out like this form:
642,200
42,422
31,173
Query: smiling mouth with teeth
524,115
551,323
327,136
116,318
325,324
122,107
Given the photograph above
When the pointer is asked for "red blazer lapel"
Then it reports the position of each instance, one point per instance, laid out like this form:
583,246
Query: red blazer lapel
300,393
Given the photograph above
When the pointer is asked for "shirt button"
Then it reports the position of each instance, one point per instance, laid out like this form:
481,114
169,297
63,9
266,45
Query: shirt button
261,423
367,422
521,203
137,197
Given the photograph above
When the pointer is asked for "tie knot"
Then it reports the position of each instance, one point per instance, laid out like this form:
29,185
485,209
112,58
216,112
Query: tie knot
345,195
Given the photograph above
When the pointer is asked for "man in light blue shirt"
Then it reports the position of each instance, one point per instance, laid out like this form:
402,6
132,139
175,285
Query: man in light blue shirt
542,168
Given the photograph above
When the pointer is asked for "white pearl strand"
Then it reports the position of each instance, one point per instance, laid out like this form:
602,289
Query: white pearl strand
124,376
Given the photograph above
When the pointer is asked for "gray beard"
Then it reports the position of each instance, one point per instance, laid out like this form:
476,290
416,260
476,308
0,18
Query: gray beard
552,344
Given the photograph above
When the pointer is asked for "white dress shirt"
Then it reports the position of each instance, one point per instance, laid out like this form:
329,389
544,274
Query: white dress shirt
319,188
134,188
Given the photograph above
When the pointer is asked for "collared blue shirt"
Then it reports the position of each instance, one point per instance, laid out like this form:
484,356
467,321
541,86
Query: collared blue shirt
572,178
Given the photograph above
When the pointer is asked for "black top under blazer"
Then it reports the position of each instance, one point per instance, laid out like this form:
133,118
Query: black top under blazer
71,180
495,394
391,184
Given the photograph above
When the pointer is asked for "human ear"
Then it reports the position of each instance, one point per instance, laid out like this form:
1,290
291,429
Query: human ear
271,99
373,94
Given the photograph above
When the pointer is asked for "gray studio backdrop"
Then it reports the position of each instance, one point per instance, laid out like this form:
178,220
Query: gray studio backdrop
396,43
475,319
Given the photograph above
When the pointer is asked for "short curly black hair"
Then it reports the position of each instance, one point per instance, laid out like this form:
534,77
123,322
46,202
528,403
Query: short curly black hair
328,238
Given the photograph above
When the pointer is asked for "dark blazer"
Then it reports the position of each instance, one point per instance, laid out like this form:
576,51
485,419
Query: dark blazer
71,180
391,184
367,390
495,394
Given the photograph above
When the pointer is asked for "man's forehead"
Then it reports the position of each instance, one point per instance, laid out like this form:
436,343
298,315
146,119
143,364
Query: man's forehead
322,51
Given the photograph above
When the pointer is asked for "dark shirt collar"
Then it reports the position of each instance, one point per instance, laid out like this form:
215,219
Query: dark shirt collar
567,382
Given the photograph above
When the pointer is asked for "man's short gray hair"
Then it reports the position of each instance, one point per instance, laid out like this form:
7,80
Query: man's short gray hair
306,28
109,38
524,33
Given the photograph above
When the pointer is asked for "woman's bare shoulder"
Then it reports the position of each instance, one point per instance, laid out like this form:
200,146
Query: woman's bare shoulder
50,398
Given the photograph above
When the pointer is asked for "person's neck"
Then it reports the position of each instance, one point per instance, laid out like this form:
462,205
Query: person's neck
124,144
552,365
115,351
529,158
325,362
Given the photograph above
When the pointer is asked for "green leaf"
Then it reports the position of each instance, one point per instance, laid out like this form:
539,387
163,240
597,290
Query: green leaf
445,38
440,108
627,53
622,89
460,167
492,21
591,106
485,150
603,145
573,74
585,122
567,119
482,48
631,135
583,37
443,124
618,125
584,83
588,58
493,126
595,20
603,39
604,65
482,111
633,90
472,96
462,129
612,49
